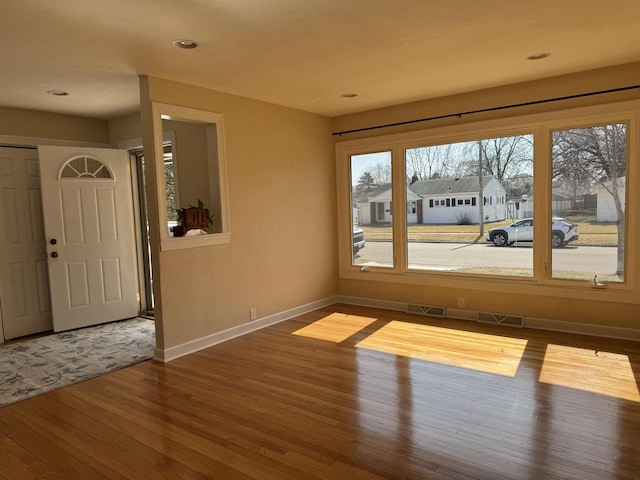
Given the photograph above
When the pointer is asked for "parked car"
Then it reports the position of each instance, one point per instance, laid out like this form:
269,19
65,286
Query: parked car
562,232
358,239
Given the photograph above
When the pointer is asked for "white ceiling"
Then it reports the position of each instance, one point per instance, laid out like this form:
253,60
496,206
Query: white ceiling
300,53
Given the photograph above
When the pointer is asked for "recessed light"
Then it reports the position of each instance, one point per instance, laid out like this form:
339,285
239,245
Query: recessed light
538,56
58,93
186,44
349,95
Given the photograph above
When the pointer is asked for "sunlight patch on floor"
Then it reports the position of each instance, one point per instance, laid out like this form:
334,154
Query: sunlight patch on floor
476,351
599,372
336,327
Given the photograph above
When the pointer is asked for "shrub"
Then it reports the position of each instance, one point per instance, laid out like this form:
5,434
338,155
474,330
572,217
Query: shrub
464,218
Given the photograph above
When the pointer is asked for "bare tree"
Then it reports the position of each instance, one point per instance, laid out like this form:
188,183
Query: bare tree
503,157
428,162
381,173
570,176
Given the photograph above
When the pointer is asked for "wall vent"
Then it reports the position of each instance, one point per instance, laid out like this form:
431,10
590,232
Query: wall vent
428,310
501,318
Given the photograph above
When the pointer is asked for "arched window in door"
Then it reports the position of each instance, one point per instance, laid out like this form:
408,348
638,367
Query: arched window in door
85,167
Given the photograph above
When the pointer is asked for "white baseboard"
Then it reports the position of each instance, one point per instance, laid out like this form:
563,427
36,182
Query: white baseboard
193,346
370,302
583,329
529,322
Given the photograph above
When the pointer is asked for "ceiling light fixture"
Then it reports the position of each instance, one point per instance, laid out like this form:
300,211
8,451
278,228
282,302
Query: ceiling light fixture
185,44
349,95
538,56
58,93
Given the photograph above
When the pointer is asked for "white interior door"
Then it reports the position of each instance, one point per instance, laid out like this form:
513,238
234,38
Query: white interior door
24,285
90,234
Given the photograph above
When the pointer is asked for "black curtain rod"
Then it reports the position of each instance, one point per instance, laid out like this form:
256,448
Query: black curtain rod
482,110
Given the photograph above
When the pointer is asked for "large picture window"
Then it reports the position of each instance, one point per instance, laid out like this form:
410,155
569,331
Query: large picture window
486,188
520,205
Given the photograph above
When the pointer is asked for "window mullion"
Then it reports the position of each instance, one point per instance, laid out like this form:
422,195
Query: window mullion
399,209
542,205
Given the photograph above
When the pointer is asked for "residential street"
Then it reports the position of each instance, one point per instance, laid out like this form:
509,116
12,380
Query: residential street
452,256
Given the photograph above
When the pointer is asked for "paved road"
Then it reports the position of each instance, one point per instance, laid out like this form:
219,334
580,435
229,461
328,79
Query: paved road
452,256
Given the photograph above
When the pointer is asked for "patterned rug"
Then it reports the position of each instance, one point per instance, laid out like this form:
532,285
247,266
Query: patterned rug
47,363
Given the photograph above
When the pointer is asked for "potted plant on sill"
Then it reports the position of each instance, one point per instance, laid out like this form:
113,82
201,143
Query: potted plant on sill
193,218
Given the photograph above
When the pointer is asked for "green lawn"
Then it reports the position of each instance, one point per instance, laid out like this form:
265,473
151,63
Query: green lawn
590,231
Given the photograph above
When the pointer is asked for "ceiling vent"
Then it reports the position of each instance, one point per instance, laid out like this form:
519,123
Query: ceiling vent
427,310
501,319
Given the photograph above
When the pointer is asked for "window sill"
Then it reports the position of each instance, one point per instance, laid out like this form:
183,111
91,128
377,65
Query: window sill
619,292
167,244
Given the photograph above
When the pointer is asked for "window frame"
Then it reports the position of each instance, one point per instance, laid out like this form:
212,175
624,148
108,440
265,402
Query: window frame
632,251
345,226
541,126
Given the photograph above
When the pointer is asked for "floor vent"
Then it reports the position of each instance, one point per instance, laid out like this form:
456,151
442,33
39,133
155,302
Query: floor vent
428,310
501,318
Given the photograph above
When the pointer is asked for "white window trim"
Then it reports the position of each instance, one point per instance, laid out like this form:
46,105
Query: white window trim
540,125
176,112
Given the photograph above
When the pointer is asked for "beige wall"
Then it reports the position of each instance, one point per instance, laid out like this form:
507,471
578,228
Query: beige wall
125,129
566,85
546,307
31,123
283,250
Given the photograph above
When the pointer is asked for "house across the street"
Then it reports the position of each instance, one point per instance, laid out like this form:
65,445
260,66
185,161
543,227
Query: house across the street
606,207
438,201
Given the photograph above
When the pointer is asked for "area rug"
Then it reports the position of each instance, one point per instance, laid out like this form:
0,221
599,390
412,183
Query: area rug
47,363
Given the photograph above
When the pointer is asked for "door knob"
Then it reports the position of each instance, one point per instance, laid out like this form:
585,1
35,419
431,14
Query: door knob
54,254
53,241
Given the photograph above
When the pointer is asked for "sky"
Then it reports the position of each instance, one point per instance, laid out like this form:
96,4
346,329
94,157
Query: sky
364,162
453,155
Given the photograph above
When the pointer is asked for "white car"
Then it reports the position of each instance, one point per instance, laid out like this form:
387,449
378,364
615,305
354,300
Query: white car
358,240
562,232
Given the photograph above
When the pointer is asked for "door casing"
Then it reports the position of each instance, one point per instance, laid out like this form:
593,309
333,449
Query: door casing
32,143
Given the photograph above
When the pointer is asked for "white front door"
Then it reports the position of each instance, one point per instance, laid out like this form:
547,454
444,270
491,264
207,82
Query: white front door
89,229
24,284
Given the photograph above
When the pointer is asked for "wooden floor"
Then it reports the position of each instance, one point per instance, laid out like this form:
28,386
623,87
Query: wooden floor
346,393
